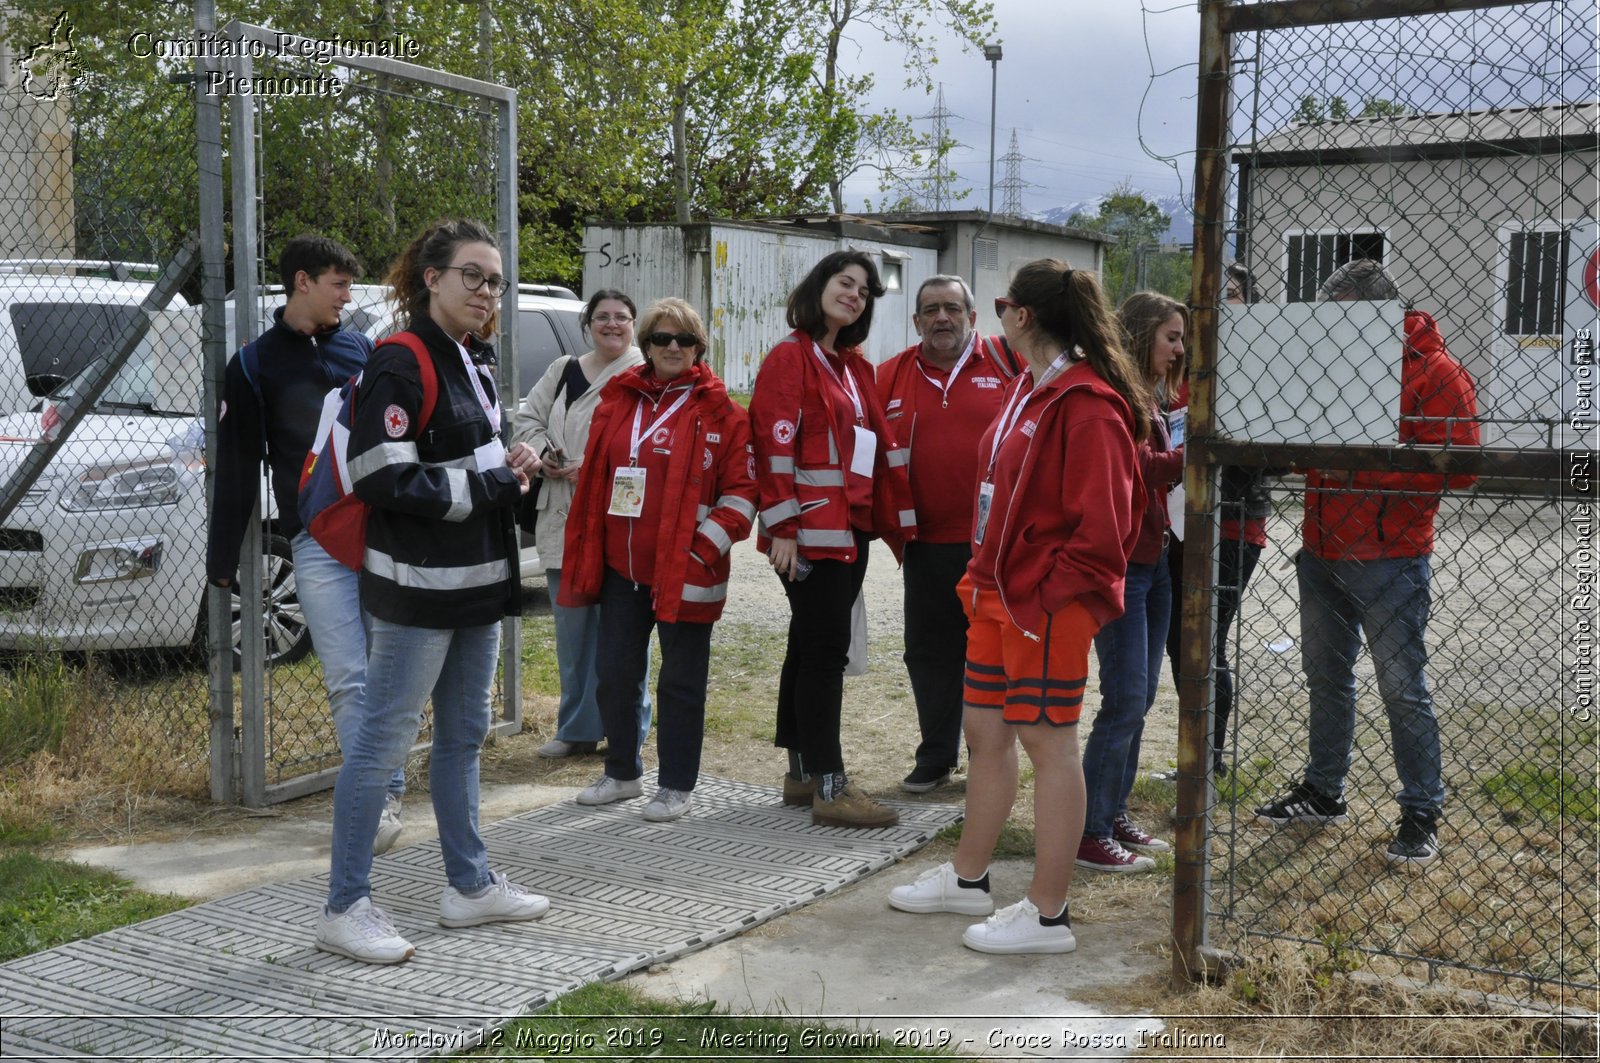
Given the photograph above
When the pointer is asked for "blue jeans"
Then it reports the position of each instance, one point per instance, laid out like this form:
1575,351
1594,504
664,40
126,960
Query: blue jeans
577,650
626,620
405,666
330,598
1130,650
1388,601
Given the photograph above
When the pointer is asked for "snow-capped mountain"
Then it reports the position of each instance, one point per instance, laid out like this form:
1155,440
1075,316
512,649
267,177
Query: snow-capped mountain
1180,232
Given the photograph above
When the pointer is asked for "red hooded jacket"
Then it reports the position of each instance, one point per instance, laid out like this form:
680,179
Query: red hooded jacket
1068,501
707,500
1363,516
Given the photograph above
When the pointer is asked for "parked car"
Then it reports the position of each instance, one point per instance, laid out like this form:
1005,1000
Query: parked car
57,316
107,550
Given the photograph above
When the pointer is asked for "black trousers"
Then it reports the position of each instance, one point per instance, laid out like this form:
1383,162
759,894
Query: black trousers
936,646
626,620
811,685
1236,561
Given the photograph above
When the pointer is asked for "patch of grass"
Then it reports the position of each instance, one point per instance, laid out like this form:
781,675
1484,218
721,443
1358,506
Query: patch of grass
39,695
604,1021
48,903
1015,843
1543,790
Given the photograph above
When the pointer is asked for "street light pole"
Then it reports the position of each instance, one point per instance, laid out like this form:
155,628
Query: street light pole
992,53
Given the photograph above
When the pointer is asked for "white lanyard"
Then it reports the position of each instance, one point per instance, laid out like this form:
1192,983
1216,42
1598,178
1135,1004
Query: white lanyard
848,383
638,416
949,381
490,409
1013,410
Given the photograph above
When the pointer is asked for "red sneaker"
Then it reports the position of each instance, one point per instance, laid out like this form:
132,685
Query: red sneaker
1105,854
1130,835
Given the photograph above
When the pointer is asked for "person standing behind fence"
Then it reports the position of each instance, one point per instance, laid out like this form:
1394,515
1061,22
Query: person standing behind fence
1129,648
440,571
554,421
271,401
669,488
939,397
1245,505
1056,514
1364,571
830,480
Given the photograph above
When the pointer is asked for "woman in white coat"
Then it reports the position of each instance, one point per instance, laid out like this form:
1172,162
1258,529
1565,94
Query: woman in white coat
554,421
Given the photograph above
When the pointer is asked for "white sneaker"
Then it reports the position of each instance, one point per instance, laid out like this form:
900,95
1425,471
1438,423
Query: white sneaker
362,932
388,826
502,901
940,890
1015,930
607,790
667,805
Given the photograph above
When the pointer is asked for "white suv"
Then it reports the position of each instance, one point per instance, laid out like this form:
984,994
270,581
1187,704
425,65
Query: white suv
107,550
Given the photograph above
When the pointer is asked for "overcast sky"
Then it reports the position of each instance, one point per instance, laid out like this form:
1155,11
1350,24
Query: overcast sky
1084,83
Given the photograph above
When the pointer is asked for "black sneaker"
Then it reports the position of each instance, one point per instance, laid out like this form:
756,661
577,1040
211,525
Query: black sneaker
1417,841
924,778
1303,804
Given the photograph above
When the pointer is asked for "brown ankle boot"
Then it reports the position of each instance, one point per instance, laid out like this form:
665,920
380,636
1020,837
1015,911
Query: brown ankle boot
852,808
797,793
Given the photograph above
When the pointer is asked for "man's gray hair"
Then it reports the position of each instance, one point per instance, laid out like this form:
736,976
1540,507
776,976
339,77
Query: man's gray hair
946,278
1361,279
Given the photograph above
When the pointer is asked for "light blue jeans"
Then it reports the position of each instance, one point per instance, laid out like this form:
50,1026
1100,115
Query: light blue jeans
330,599
1388,601
577,655
1130,649
456,666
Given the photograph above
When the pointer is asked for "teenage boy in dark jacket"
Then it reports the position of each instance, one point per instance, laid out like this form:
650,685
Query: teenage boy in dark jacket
271,402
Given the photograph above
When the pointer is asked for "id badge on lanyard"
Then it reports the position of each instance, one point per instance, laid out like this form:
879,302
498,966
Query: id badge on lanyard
627,491
985,499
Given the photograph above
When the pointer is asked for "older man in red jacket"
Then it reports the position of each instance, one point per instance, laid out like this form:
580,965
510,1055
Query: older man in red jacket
1364,570
939,397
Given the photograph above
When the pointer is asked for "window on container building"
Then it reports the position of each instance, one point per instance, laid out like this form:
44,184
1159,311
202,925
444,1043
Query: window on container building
1313,257
1536,269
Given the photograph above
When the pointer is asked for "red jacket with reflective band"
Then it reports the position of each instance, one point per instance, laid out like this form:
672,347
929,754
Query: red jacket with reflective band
1068,501
943,440
1363,516
802,423
707,500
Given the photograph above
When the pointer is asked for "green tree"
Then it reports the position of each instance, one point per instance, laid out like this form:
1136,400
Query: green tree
1134,260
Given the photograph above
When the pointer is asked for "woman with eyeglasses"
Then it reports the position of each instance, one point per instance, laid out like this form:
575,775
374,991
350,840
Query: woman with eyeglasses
668,491
1130,648
439,574
1055,516
554,421
831,480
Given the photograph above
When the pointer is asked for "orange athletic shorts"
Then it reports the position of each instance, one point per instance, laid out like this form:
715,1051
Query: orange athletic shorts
1026,679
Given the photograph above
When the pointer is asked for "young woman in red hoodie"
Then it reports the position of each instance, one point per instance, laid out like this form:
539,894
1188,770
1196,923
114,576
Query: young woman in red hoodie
1130,648
1056,514
668,491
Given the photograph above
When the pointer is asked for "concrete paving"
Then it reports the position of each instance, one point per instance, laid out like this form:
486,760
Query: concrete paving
847,961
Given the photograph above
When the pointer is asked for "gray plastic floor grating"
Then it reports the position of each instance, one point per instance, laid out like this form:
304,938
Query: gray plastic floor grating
238,979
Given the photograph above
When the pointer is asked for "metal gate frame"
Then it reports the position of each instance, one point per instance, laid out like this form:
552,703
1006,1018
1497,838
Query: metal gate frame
239,750
1563,471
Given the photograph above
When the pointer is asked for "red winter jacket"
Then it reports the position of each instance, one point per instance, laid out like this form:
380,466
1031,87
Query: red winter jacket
1160,466
1363,516
708,499
1068,501
802,424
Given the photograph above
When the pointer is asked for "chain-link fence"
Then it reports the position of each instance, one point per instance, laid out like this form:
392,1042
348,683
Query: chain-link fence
1401,535
124,135
100,388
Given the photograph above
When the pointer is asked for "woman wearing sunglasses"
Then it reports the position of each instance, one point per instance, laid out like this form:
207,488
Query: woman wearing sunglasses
829,483
554,421
1056,514
667,492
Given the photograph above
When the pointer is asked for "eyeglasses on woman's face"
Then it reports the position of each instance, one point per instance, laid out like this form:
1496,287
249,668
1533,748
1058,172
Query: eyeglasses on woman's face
474,278
685,340
1000,304
611,319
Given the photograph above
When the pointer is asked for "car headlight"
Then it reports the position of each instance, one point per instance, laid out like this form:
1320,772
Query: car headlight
125,485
